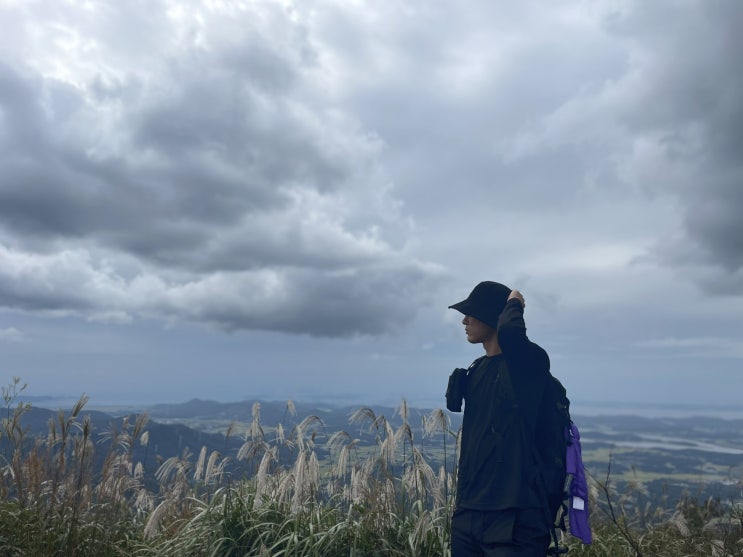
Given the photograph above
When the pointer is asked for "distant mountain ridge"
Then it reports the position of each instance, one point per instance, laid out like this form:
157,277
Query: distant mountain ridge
677,452
275,412
163,440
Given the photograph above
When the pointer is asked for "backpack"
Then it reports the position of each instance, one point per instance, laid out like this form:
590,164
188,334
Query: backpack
560,462
553,421
576,490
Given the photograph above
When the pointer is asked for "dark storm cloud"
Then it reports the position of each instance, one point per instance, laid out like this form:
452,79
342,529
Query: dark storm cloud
371,300
53,186
688,96
180,190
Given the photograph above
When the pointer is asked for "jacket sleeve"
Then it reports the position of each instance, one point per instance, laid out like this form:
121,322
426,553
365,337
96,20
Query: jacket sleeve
528,363
512,329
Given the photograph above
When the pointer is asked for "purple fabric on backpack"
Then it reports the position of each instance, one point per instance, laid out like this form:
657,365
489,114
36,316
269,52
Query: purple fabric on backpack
578,503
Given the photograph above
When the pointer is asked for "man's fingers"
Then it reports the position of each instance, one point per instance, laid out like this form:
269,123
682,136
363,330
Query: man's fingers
517,295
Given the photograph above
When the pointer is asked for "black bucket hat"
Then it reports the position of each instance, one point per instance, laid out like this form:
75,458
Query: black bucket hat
485,302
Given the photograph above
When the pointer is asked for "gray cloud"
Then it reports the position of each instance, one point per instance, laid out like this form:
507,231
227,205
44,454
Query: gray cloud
644,106
176,188
11,335
321,304
367,299
687,93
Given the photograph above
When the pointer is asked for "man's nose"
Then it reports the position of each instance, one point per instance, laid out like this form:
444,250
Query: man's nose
465,319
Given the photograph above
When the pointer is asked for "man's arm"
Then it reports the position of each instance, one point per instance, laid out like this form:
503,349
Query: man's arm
511,327
528,362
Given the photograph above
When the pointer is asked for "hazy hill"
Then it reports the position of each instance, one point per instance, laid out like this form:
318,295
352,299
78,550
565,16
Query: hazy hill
164,440
334,417
675,453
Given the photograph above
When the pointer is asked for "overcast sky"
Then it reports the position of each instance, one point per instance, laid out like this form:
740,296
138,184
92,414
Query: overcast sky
239,199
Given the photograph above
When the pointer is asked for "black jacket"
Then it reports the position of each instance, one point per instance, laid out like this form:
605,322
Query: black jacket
503,394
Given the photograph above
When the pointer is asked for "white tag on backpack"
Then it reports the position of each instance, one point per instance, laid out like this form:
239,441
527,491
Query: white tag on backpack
578,503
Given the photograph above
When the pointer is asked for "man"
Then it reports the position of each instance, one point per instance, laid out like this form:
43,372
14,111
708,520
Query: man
500,501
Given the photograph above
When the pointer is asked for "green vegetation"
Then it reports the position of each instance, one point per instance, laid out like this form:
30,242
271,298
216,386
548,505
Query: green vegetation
286,492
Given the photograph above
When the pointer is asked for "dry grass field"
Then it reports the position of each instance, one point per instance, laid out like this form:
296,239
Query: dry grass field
288,490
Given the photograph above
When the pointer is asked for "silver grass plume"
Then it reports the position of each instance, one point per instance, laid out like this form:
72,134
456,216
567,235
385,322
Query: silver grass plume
678,521
198,473
436,421
404,433
360,415
280,435
263,475
152,526
343,440
299,480
285,486
299,432
420,476
215,469
403,411
256,430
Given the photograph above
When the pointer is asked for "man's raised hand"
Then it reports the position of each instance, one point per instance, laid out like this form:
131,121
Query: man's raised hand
515,294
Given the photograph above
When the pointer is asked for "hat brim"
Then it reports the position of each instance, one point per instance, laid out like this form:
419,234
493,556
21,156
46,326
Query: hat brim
461,306
467,307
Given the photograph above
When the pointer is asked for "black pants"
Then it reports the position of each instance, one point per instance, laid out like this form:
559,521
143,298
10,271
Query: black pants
506,533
